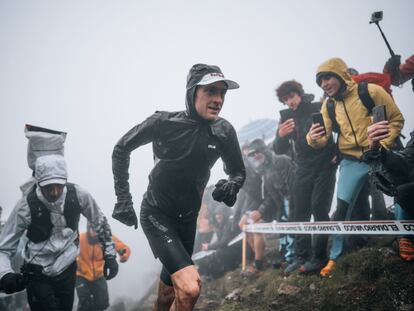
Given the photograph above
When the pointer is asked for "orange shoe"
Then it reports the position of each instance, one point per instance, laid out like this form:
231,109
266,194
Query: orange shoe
328,268
406,248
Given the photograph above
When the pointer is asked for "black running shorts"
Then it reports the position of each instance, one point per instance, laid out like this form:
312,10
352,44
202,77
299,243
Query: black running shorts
171,239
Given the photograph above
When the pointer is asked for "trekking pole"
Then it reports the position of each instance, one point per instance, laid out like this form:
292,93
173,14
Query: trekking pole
244,249
376,17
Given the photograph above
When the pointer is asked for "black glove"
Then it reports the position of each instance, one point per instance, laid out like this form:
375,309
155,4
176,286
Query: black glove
225,191
12,282
382,179
393,64
110,268
125,213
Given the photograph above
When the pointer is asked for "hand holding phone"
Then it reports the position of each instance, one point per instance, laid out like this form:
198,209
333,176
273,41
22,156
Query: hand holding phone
286,129
379,114
285,114
317,118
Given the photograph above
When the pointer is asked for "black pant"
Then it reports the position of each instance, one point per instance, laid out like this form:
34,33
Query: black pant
405,197
52,293
313,190
93,295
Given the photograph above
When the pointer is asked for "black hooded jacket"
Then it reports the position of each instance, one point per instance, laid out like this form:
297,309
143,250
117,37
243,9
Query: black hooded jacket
304,154
185,147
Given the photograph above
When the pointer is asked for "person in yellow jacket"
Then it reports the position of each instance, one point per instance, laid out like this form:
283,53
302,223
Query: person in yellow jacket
352,119
91,284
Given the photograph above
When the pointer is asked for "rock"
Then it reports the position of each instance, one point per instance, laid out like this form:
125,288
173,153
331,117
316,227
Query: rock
312,287
387,252
286,289
235,295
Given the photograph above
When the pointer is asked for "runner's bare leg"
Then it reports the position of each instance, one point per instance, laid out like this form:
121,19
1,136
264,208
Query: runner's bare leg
187,287
165,297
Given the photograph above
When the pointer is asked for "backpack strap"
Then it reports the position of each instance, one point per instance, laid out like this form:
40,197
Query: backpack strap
330,105
72,207
365,97
41,226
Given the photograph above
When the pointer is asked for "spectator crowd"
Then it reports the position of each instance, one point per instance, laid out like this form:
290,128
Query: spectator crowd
339,141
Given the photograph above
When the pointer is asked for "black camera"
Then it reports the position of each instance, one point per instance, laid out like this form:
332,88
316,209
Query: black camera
376,17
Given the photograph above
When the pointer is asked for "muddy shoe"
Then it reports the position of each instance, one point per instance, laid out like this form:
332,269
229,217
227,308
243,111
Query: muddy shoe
312,266
296,264
327,270
406,248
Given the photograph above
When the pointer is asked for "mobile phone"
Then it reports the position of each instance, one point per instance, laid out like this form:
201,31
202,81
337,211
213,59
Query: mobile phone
318,118
379,114
285,114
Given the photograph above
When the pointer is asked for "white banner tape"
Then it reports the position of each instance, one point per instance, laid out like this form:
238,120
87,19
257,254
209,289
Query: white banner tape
386,227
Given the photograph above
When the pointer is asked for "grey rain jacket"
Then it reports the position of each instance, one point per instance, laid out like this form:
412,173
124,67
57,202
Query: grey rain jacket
250,196
61,249
185,148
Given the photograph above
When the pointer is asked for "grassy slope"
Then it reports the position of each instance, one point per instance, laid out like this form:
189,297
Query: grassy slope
371,278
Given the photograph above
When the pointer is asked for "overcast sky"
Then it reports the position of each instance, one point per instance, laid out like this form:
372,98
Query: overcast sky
97,68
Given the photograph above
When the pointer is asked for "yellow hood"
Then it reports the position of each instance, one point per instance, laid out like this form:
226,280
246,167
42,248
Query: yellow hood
352,116
338,67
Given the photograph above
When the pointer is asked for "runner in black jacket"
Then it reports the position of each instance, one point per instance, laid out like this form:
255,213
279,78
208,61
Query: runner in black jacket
186,145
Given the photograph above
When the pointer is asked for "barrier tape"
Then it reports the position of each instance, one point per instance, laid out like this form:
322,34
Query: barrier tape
384,227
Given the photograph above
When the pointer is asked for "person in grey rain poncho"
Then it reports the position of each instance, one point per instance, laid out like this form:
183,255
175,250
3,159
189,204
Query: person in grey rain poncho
186,145
48,215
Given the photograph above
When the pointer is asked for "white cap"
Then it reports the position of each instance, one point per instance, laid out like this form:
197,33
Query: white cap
51,169
215,77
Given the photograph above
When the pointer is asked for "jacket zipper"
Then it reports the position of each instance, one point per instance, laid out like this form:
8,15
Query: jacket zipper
350,123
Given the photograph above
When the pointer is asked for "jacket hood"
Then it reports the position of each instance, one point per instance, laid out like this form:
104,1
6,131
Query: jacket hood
307,98
221,209
194,77
337,67
51,169
305,104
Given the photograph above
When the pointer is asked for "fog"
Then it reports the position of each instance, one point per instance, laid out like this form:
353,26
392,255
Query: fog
96,68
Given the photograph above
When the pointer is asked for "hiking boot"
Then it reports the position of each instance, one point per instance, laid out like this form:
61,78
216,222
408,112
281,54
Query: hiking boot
312,266
327,270
296,264
406,248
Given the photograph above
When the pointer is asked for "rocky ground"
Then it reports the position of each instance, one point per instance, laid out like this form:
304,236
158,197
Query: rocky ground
370,278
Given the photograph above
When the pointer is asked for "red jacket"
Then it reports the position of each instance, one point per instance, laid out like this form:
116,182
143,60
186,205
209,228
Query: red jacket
405,73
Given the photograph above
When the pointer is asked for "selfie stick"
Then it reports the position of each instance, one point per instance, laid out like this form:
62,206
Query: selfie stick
385,39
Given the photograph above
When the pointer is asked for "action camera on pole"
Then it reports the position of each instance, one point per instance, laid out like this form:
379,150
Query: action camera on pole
376,17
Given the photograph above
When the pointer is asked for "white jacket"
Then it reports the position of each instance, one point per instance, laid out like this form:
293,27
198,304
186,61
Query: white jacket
59,251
